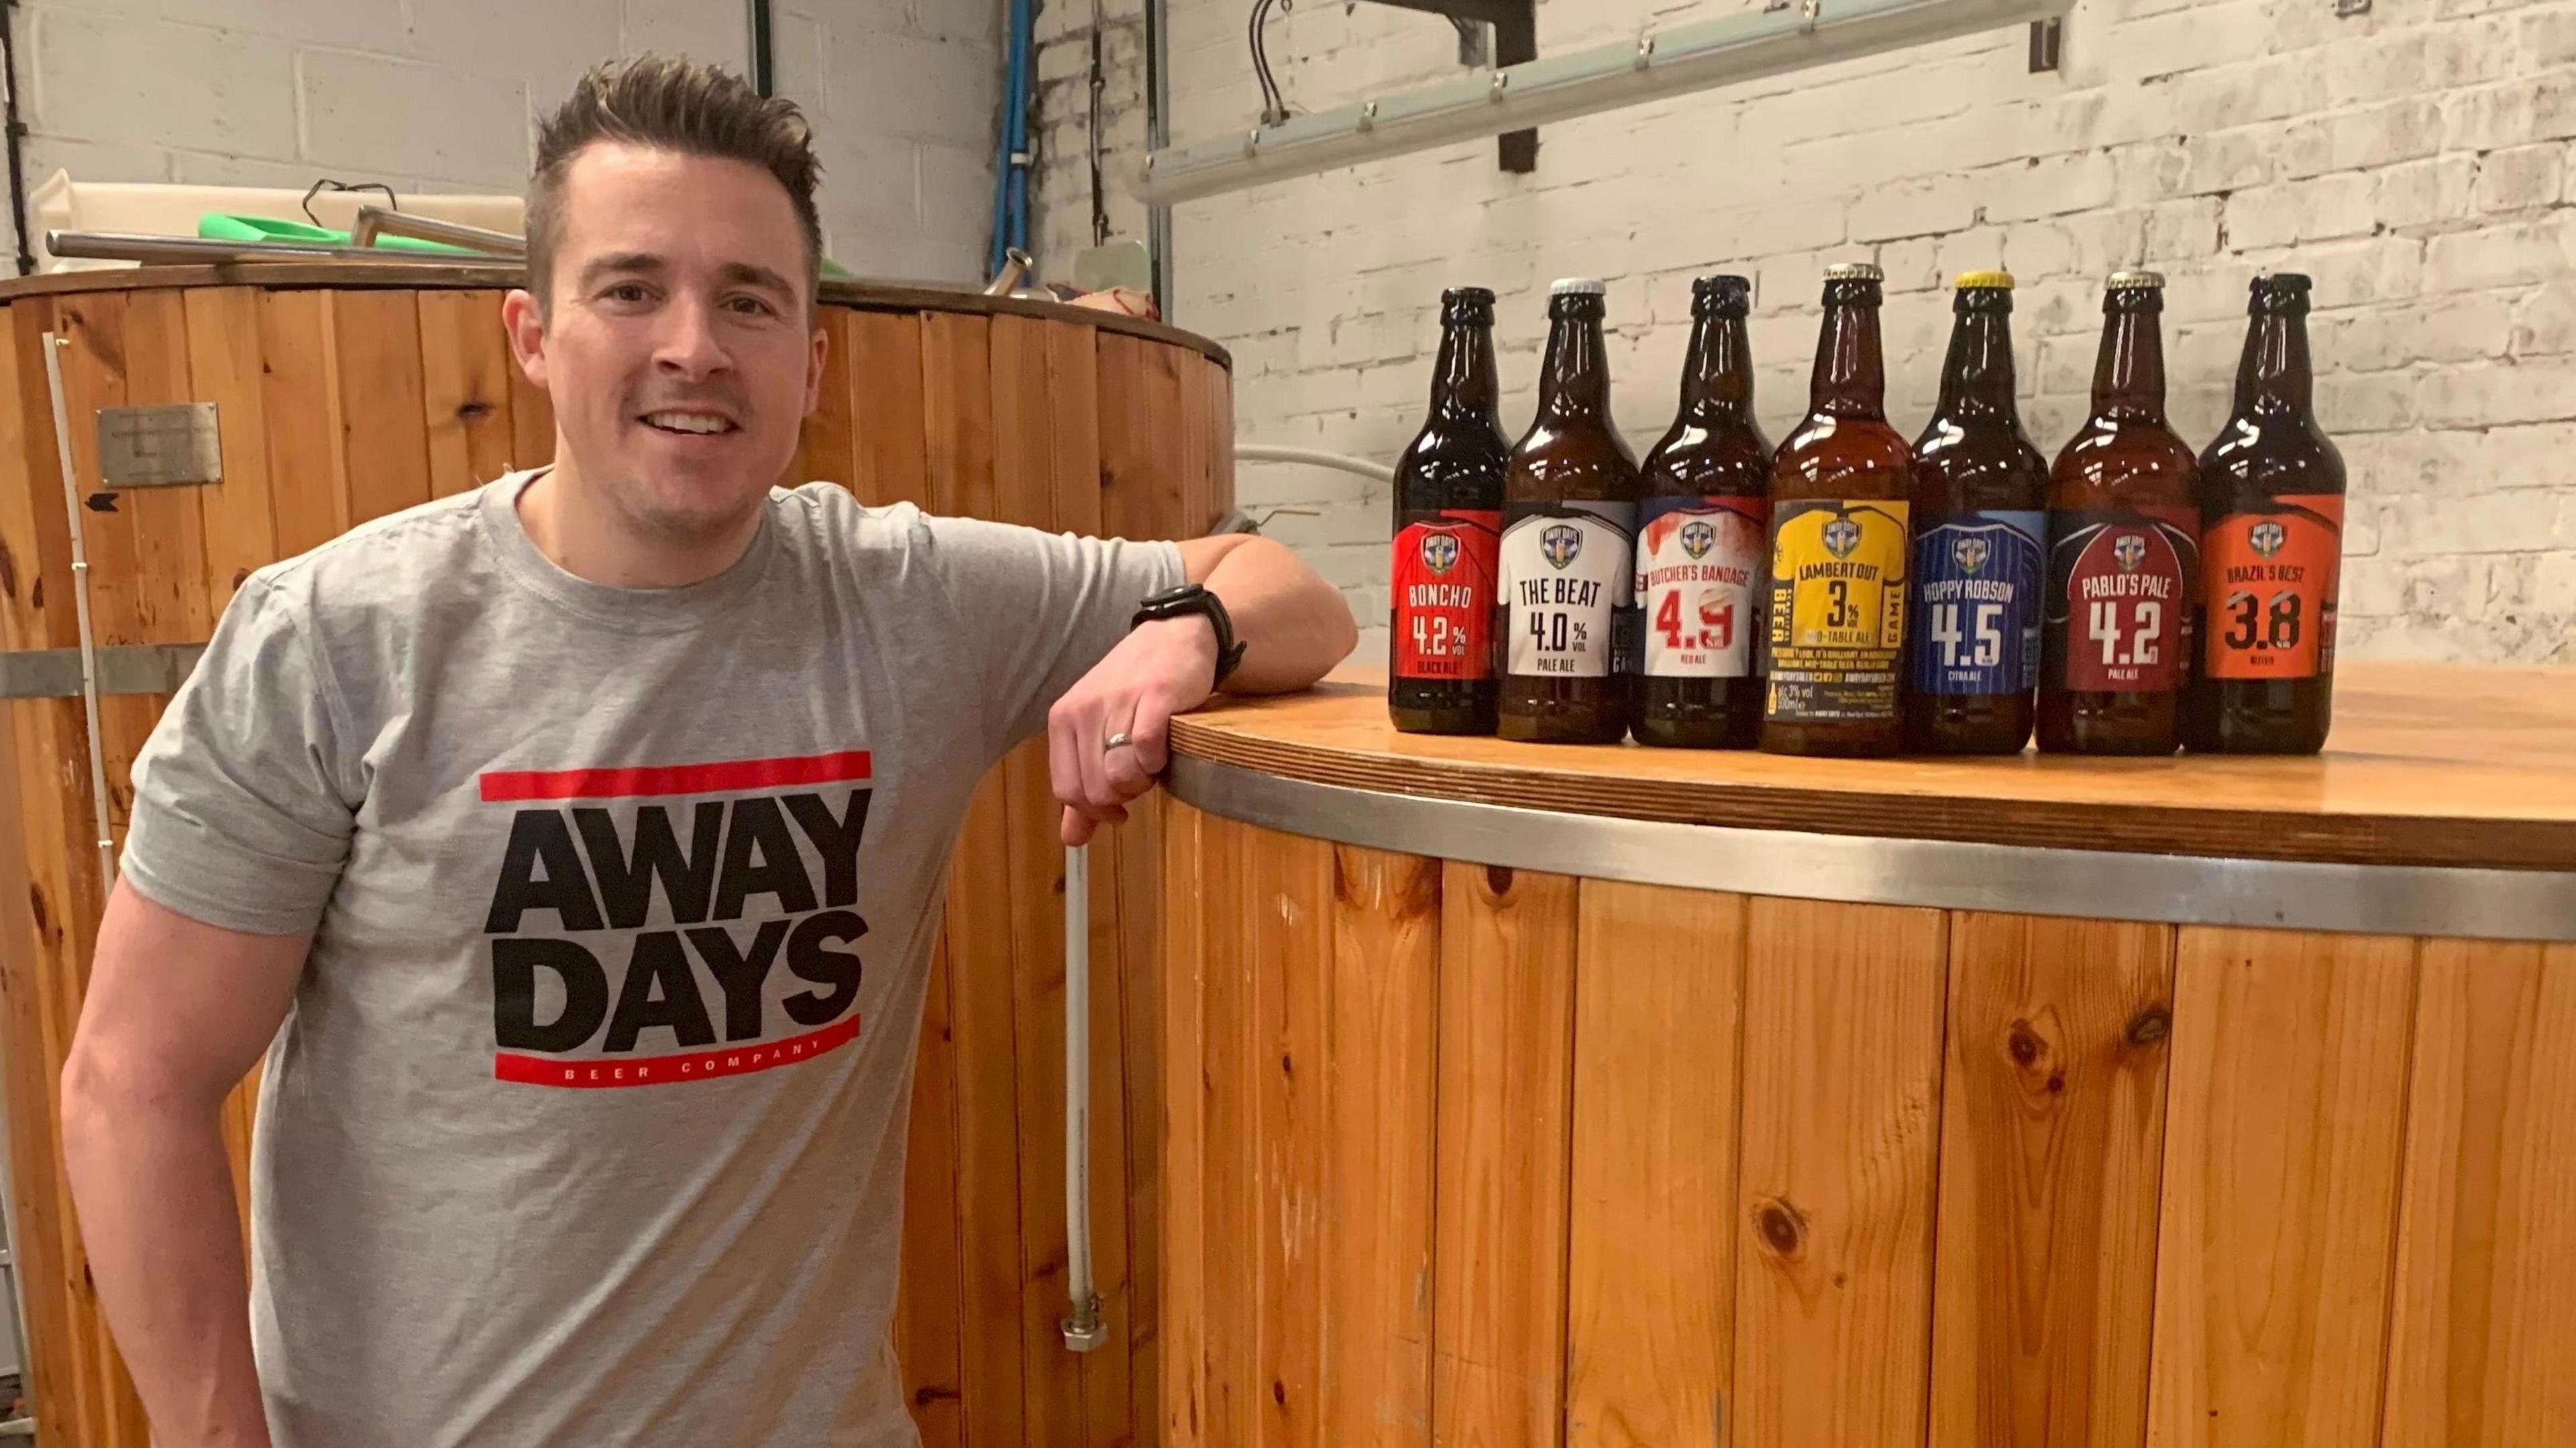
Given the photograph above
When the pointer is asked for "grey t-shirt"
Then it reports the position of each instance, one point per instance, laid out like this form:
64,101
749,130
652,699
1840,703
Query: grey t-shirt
587,1125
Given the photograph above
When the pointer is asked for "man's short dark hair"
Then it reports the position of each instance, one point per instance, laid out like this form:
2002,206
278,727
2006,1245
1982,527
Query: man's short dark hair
674,105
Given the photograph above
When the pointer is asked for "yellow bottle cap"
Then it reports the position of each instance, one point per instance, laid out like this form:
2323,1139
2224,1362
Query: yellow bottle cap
1998,280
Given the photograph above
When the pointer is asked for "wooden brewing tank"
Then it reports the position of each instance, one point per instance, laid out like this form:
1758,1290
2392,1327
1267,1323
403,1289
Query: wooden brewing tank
1610,1097
346,392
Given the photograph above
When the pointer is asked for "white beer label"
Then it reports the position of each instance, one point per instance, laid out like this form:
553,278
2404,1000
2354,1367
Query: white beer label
1700,567
1568,570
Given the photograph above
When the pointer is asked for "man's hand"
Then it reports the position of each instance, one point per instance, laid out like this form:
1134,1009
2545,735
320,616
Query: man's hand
1108,737
1293,625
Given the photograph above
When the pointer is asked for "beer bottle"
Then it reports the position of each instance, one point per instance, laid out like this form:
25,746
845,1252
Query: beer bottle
2124,543
1569,525
2271,521
1841,496
1980,549
1448,530
1704,534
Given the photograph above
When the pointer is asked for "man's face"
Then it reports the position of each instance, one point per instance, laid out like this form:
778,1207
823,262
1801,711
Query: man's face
679,347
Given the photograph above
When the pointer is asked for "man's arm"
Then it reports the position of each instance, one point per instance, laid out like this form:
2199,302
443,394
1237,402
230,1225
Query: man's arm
1294,627
177,1012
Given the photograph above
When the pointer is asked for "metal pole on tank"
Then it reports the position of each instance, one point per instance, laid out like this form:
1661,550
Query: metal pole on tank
1083,1330
54,345
1158,136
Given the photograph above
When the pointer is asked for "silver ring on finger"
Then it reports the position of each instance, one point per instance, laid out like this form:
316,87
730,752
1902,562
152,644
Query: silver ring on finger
1115,742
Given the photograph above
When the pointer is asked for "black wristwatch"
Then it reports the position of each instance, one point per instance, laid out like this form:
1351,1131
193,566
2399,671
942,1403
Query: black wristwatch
1192,598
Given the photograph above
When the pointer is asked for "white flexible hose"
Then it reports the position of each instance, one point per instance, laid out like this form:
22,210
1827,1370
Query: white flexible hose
1313,457
1083,1330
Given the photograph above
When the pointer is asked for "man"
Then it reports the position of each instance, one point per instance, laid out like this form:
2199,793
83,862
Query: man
631,773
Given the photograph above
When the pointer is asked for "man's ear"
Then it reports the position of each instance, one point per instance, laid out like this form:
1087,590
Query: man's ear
814,368
523,319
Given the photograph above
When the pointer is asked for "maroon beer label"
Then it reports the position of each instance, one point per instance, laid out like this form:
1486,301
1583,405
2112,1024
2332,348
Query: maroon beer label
2119,600
1443,578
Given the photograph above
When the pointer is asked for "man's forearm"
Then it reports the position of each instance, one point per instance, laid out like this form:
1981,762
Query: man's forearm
1295,625
157,1213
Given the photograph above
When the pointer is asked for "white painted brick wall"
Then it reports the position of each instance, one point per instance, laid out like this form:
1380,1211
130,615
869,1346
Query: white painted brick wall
2416,159
443,95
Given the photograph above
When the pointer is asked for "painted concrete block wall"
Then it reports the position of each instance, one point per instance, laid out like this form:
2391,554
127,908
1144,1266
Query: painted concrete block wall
443,95
2416,159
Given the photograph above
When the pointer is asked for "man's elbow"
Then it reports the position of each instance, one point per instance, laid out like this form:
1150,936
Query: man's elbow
104,1087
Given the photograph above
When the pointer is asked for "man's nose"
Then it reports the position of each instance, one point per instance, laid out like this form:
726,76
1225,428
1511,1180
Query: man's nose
689,346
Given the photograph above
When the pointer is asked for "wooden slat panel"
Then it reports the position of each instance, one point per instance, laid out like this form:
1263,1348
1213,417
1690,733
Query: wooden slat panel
825,451
1229,1143
532,420
224,368
384,418
1015,483
168,591
2279,1216
49,906
1188,943
1289,892
988,1162
1220,414
1507,949
2480,1352
465,389
2052,1131
1842,1090
926,1306
1140,468
886,409
1381,1095
956,366
1658,998
1073,388
306,486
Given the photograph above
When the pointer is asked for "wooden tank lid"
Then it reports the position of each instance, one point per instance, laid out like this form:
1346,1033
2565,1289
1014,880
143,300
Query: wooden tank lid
2429,764
864,296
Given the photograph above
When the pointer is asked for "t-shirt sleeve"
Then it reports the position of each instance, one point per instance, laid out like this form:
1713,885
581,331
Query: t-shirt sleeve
245,793
1039,609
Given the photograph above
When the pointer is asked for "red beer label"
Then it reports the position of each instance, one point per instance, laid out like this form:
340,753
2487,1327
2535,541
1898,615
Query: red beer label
1444,595
2119,600
2269,583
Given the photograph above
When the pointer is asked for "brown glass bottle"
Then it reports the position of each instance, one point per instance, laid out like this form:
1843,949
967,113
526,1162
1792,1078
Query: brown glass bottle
1448,530
2124,539
1703,541
1569,530
1842,487
1980,544
2271,532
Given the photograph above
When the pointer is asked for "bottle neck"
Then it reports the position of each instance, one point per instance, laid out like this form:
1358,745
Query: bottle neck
1717,376
1466,382
2129,375
1850,378
1576,376
2274,376
1977,380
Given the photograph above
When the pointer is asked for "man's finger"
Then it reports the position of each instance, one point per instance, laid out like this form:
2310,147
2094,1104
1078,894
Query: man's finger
1097,794
1152,735
1074,828
1128,776
1064,770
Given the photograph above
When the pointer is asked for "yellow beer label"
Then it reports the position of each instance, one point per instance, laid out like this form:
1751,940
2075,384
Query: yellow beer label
1837,626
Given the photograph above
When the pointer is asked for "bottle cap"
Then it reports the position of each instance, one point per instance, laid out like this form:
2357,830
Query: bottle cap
2135,281
1854,271
2283,283
2001,281
1467,297
1579,287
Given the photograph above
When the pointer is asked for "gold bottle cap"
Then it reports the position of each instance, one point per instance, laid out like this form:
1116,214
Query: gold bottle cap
2131,281
2001,281
1854,271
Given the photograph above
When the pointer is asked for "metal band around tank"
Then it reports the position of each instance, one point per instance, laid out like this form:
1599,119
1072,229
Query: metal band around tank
2434,900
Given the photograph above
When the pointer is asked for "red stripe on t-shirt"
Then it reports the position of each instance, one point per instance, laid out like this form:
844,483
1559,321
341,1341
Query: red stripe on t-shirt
501,786
670,1070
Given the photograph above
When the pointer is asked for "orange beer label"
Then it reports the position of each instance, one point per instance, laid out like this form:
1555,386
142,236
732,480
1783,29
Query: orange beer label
2269,581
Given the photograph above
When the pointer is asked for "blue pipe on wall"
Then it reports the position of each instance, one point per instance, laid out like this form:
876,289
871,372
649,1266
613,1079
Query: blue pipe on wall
1010,175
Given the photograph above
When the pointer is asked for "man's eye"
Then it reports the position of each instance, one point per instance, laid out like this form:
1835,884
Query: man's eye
750,306
626,292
